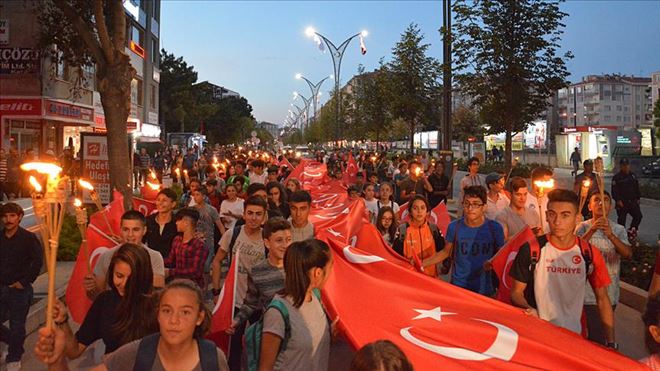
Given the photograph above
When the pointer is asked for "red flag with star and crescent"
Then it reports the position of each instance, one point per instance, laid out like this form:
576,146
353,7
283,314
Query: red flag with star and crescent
350,173
503,260
101,235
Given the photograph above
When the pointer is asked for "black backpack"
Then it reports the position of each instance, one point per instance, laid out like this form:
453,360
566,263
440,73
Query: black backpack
146,354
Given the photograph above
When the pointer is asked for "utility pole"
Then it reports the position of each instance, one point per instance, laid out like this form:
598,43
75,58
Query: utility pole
445,31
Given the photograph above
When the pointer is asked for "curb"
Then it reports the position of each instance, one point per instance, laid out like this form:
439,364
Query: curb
36,317
649,202
633,297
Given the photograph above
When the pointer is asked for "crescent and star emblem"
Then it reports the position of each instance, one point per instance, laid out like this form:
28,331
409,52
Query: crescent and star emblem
503,347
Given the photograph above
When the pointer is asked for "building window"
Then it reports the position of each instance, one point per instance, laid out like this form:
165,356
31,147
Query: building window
608,108
155,55
152,97
140,93
607,118
618,119
137,35
618,108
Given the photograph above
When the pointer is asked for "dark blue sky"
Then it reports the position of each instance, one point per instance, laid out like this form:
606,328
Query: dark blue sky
256,48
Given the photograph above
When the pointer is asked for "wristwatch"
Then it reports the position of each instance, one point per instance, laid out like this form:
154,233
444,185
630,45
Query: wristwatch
613,345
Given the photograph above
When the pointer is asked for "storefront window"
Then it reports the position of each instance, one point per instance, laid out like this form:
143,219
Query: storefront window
72,136
25,135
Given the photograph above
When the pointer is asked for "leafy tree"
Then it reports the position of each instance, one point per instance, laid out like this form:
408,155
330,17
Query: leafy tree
414,78
93,33
232,122
370,97
176,93
507,55
465,123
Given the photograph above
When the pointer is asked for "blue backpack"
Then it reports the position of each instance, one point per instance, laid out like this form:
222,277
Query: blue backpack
254,332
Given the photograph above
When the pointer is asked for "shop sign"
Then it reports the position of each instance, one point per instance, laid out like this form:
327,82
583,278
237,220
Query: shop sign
15,61
4,31
70,111
95,165
151,131
621,139
20,106
131,126
153,118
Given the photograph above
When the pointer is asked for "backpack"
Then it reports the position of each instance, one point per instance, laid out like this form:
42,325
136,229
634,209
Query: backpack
535,246
146,354
234,236
253,333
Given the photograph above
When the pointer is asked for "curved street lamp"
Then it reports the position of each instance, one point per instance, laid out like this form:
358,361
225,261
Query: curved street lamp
314,88
337,53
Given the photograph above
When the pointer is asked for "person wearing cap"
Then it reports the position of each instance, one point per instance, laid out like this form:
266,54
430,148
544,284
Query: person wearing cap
21,258
188,253
497,200
626,194
589,174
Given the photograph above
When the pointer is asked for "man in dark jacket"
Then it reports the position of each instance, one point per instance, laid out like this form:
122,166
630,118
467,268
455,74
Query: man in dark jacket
626,194
20,263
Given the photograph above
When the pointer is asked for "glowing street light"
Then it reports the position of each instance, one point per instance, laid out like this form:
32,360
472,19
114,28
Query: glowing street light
337,53
314,88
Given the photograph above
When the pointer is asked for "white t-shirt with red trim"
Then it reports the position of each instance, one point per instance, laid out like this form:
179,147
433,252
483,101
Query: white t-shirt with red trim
559,281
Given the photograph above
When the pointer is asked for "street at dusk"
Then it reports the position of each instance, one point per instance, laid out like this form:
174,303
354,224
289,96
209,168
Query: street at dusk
329,185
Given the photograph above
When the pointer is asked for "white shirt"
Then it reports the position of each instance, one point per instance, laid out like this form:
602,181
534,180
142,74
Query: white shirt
256,178
494,207
236,207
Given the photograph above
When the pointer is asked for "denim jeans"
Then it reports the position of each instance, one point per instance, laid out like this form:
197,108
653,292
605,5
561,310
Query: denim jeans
14,305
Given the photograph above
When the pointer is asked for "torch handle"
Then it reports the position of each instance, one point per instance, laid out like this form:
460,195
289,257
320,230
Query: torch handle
82,227
51,260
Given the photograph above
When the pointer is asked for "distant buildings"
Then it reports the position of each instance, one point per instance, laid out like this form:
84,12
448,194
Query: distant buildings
655,87
609,100
273,129
217,91
37,107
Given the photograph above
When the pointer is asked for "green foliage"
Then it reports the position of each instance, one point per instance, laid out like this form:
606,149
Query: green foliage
508,58
649,189
175,93
638,270
413,78
521,170
70,240
466,122
369,115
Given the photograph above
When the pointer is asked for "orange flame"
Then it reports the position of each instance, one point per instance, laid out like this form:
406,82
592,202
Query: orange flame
586,183
153,174
85,184
42,168
153,186
35,183
545,184
77,202
177,171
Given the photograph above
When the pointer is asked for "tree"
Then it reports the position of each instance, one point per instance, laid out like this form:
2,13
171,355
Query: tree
414,78
232,122
507,55
176,93
465,123
93,33
370,98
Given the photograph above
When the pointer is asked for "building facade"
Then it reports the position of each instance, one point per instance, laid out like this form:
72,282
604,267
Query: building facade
655,88
607,100
40,106
273,129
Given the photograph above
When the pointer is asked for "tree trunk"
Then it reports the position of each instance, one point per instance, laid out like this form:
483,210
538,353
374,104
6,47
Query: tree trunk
412,137
115,90
508,146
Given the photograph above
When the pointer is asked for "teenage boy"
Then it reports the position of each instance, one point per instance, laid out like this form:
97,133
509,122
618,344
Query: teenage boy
612,241
266,278
416,184
240,173
516,217
472,240
497,200
471,179
188,253
133,227
21,258
161,228
440,184
300,204
208,219
550,275
249,241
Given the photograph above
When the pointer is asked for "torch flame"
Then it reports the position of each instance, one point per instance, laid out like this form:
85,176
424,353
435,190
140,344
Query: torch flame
586,183
85,184
153,174
418,171
373,158
42,168
153,186
177,171
35,184
185,171
77,202
545,184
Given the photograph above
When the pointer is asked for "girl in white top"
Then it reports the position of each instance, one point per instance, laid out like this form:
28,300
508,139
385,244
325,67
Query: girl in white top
385,197
231,208
307,266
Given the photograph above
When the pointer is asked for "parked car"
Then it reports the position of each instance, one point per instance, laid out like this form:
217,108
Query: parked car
652,169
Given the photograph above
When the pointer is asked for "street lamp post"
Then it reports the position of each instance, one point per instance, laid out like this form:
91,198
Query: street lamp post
314,88
337,53
307,101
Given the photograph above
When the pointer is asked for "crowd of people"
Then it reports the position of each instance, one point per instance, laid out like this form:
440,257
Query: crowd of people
228,203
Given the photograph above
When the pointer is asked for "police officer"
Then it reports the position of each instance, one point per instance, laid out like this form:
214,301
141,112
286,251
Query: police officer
626,194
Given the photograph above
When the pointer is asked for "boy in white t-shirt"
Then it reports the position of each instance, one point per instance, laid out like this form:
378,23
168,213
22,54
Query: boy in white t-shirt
549,280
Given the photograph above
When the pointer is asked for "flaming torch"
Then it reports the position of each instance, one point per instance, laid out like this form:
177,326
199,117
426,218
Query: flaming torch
542,186
50,211
97,201
584,191
599,169
177,171
81,221
40,210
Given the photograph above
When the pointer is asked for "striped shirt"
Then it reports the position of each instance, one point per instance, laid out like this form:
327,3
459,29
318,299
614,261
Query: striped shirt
264,281
3,170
